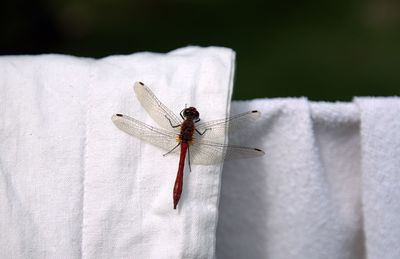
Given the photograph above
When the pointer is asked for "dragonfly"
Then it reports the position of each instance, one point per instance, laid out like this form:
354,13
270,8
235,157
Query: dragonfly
199,142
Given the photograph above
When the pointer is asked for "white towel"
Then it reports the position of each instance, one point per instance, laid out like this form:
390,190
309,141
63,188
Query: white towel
324,190
380,134
72,185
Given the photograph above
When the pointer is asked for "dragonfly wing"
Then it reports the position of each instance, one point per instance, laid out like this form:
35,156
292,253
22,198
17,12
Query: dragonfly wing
206,152
158,137
154,107
218,128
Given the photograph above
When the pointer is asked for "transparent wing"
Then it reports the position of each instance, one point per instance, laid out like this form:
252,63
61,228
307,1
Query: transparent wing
207,152
158,137
217,128
156,109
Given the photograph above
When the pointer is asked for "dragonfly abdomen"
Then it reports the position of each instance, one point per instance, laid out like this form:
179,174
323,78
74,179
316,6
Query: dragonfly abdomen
179,177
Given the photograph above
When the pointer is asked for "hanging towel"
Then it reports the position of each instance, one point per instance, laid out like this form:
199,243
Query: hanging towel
328,186
380,134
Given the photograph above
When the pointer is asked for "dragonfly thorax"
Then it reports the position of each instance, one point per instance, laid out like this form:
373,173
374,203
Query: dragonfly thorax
187,130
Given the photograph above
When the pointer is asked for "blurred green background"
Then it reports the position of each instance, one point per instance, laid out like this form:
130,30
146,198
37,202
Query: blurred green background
325,50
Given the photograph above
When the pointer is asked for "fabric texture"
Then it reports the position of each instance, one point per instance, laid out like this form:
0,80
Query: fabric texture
328,186
72,185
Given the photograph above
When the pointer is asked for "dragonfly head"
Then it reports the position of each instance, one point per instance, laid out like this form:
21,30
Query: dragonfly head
191,113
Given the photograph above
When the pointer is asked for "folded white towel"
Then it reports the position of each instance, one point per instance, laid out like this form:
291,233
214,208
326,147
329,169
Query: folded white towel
72,185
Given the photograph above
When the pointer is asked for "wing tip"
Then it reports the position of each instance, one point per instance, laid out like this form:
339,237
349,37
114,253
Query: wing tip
260,151
115,116
256,112
138,85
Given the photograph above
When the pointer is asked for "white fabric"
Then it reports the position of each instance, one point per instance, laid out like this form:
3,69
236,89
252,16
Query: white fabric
380,132
328,187
72,185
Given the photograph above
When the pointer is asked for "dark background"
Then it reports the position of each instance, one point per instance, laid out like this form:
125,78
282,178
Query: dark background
325,50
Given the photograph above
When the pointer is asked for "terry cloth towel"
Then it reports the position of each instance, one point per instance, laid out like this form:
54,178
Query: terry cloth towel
328,186
72,185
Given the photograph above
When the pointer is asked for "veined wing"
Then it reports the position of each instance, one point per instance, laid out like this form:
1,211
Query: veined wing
218,128
154,107
208,153
158,137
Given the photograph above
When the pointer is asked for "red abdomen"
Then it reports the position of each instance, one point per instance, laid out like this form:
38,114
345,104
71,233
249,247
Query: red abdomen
179,177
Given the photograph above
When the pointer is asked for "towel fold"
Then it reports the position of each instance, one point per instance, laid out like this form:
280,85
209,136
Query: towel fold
380,134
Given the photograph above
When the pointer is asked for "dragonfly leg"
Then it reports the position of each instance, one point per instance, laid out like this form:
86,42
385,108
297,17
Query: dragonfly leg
188,157
201,133
171,122
172,149
183,118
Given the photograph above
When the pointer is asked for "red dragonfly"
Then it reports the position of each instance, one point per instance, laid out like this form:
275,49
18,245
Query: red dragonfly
187,132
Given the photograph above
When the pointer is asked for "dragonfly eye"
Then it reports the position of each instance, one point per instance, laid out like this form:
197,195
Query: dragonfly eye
191,113
196,114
